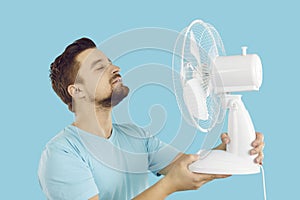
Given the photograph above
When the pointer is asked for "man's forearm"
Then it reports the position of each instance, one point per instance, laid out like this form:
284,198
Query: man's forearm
158,191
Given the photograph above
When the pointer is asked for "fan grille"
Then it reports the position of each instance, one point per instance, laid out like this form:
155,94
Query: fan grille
200,44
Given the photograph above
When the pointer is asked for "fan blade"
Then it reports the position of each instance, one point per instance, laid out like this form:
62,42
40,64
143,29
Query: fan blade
194,48
195,99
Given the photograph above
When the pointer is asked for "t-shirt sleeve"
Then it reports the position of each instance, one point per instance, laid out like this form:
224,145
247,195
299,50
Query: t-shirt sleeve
64,175
160,154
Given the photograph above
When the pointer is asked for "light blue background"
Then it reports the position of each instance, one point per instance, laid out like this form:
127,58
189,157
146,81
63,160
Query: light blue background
33,33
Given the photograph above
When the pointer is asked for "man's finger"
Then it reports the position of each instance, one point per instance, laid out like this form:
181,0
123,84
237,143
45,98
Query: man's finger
190,158
259,158
259,139
257,149
225,139
209,177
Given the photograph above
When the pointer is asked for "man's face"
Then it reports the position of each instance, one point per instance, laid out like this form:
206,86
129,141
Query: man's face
100,79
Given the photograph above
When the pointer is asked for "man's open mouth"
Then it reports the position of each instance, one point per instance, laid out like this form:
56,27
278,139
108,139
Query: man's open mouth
117,80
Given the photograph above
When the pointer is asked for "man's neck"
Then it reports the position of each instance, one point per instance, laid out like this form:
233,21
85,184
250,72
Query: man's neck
95,121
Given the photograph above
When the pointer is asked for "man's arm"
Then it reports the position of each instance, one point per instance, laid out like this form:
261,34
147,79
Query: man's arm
178,178
165,170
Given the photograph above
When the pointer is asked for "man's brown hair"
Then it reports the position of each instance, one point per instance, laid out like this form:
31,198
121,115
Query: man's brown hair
64,69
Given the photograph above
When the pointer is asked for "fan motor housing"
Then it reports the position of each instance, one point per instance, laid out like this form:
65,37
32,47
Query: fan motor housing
238,73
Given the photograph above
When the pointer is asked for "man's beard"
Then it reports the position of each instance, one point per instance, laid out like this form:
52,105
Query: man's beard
117,95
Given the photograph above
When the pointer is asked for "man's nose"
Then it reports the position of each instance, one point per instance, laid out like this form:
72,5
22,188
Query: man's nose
115,69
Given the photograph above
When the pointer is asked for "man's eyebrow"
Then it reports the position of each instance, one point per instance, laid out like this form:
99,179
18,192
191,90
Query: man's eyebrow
95,62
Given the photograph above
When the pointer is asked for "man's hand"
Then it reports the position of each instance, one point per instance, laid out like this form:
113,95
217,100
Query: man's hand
179,177
258,146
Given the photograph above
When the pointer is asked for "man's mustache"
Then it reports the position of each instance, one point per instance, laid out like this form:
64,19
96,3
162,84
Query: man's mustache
114,77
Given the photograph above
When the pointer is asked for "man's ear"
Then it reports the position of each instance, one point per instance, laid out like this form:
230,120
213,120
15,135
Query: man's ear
75,91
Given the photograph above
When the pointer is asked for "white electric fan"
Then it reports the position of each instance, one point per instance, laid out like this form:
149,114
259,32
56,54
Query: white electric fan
204,86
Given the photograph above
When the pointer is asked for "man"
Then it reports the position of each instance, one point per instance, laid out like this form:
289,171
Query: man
95,159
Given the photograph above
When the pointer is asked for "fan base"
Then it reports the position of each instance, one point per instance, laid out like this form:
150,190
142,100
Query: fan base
222,162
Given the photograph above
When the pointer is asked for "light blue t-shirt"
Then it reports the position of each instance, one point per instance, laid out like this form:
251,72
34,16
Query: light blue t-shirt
77,165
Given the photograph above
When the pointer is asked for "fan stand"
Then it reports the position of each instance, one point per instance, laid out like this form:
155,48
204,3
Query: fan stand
236,159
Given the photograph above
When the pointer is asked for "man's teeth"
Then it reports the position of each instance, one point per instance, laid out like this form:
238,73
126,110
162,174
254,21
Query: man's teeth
118,80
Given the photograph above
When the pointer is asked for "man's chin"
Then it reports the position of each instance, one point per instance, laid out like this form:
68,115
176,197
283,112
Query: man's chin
119,94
